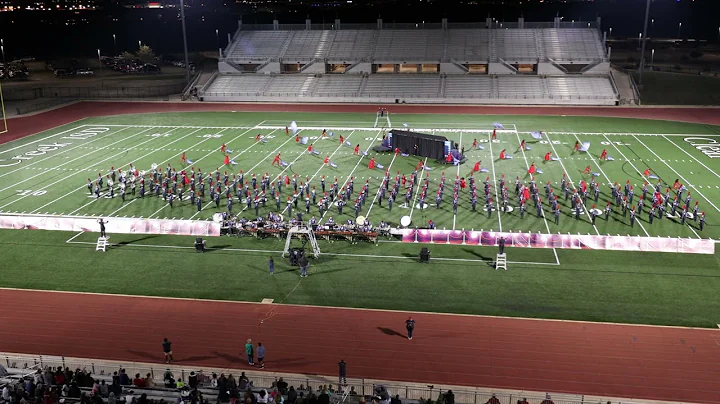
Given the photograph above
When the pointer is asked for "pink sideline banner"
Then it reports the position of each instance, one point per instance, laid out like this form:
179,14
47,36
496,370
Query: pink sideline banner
538,240
116,225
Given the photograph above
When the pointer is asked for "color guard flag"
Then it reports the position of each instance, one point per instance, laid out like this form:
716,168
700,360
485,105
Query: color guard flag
189,161
303,140
404,154
348,144
585,146
527,147
293,127
363,153
263,140
427,168
507,156
536,135
228,151
538,171
331,133
333,165
610,158
554,158
405,125
484,170
283,163
315,152
380,166
595,174
653,176
233,162
498,126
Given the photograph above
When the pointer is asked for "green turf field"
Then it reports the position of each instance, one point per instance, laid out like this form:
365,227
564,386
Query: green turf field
54,166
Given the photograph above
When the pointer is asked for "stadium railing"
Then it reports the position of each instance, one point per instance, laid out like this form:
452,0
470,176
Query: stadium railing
24,365
38,106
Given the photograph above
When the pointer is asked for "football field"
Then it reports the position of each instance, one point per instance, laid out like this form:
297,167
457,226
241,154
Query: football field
48,173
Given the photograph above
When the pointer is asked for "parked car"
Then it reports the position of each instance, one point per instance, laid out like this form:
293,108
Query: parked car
84,72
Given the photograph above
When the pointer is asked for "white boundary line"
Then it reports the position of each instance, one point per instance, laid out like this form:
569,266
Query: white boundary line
63,151
43,139
417,191
457,176
400,312
678,174
443,125
608,178
122,165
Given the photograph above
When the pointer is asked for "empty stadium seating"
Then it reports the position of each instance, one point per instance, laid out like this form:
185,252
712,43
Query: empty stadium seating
543,79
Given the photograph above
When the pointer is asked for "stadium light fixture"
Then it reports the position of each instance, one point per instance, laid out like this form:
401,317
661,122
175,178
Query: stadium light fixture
642,45
184,35
114,45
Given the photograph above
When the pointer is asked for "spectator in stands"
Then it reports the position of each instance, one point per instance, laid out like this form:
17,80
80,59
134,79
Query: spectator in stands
149,382
282,386
324,397
231,383
96,399
138,381
124,378
395,400
104,391
112,399
449,397
352,391
493,400
143,399
169,378
291,394
300,399
74,390
547,400
48,377
262,397
193,380
6,394
59,377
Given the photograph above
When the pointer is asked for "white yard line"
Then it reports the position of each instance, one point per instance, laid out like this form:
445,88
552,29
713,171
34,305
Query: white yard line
207,155
322,165
113,156
367,216
457,175
417,191
111,214
256,166
62,151
347,178
43,139
497,195
84,156
678,174
560,160
609,182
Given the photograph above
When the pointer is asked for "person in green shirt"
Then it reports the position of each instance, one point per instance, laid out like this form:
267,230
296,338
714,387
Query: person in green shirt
249,349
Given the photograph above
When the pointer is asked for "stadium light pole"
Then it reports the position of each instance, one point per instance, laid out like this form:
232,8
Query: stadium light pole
652,57
2,49
100,61
679,30
114,45
642,46
184,35
217,38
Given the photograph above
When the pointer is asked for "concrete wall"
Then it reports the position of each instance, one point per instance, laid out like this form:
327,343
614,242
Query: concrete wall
360,68
602,68
272,67
549,69
451,68
499,68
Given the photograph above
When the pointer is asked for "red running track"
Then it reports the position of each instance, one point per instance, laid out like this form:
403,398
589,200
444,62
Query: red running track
23,126
672,364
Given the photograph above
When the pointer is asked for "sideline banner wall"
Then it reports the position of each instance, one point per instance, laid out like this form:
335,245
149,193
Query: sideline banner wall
117,225
582,242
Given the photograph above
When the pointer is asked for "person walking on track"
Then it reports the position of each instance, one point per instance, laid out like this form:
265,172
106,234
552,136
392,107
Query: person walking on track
249,352
167,349
410,326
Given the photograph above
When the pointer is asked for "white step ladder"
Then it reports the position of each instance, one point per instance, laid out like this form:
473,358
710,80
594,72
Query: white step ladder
501,262
377,120
102,244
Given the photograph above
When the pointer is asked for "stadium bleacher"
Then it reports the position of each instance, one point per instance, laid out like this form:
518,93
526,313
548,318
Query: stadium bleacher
86,381
464,65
